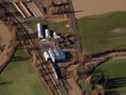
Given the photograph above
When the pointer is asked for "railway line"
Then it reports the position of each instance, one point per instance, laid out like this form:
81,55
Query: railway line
57,87
100,58
30,44
43,68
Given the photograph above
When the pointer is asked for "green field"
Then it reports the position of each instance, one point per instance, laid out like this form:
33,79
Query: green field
116,72
97,34
101,32
19,78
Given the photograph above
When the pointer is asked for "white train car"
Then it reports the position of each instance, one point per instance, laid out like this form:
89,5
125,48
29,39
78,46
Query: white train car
55,55
34,9
31,8
25,9
19,9
52,60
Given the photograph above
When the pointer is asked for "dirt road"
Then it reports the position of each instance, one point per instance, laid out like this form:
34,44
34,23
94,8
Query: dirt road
6,33
95,7
7,44
74,88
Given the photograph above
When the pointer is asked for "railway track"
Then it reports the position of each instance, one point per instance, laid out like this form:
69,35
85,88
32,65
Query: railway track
99,58
45,70
42,66
57,87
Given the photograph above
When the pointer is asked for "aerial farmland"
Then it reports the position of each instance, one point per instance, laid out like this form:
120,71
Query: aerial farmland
62,47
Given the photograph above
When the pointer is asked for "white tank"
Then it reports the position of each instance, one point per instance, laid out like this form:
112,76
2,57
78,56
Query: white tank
55,36
39,30
47,34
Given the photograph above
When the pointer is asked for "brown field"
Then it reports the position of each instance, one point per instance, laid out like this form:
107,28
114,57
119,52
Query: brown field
7,36
6,33
95,7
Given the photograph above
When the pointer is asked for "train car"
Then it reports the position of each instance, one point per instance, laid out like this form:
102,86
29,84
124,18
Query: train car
19,9
56,72
31,8
34,9
28,10
49,55
55,55
25,9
